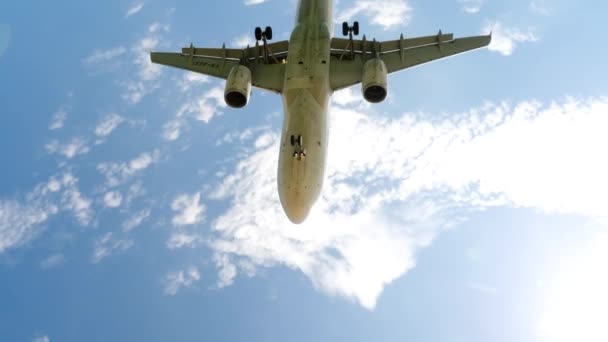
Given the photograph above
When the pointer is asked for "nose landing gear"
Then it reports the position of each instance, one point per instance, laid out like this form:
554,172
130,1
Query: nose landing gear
297,142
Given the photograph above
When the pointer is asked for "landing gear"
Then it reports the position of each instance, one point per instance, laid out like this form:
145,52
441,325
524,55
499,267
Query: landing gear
350,30
299,151
297,140
258,33
266,34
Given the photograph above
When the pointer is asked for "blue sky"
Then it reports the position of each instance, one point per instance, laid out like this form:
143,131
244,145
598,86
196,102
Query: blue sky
469,206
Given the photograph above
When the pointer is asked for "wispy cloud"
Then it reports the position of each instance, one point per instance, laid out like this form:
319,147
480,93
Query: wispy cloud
148,73
540,7
226,269
136,220
23,220
20,223
112,199
107,244
73,200
104,56
134,9
75,147
188,209
254,2
241,41
471,6
383,207
386,13
108,124
42,339
200,107
181,240
52,261
118,173
505,39
59,118
181,279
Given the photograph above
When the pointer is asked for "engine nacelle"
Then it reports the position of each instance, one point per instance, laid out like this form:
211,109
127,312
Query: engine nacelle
374,82
238,87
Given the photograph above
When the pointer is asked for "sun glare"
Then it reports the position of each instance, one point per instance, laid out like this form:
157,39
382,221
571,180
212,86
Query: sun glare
576,302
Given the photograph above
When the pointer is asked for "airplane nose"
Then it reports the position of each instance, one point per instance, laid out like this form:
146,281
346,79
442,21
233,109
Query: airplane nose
296,211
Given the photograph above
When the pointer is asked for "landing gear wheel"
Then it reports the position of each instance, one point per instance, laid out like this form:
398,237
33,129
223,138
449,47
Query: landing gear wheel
300,140
293,140
345,29
356,28
258,33
268,32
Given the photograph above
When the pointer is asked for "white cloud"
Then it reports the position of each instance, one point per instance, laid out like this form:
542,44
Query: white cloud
77,146
52,261
136,190
206,106
42,339
118,173
148,73
241,42
112,199
181,240
108,124
188,209
172,130
201,108
540,7
385,13
471,6
254,2
74,201
505,39
58,119
227,270
22,220
346,97
107,244
183,278
102,57
393,183
136,220
20,223
190,80
134,9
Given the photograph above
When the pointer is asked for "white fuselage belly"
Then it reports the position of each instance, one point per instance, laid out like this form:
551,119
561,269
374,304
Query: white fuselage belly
306,94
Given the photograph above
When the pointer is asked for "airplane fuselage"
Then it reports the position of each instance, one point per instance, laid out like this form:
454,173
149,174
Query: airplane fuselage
306,95
303,72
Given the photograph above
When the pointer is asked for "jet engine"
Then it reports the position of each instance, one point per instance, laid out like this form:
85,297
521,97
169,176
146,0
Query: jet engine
374,82
238,87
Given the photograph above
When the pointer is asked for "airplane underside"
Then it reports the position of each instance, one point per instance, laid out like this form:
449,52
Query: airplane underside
306,70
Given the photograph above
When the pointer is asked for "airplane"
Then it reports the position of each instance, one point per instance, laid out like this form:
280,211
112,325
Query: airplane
306,70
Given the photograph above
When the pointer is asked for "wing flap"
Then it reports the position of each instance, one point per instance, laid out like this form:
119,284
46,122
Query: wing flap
398,56
396,60
250,53
204,65
365,46
264,76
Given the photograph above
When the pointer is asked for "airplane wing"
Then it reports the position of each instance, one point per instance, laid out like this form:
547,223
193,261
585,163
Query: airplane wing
349,55
266,62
